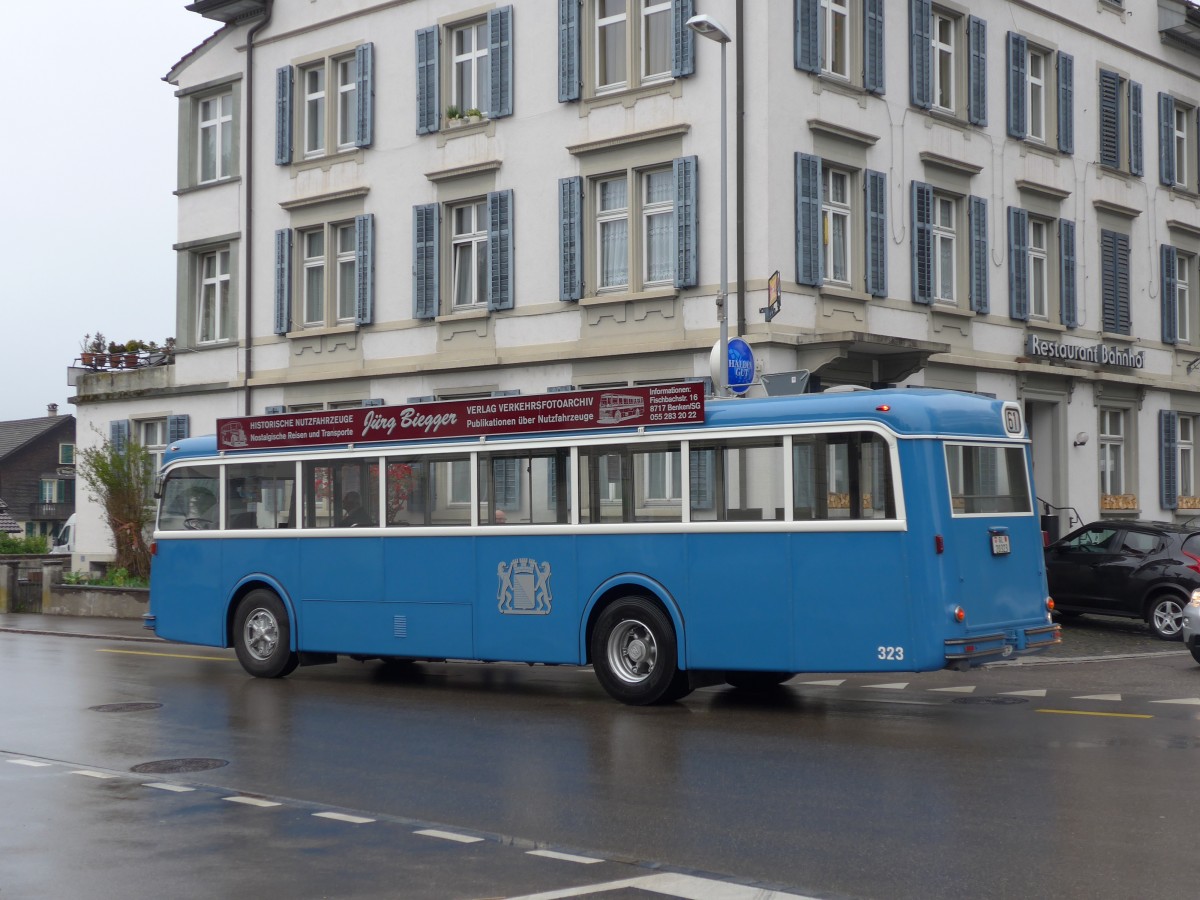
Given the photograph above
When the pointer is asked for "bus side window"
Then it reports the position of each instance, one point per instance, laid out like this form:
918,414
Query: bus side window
259,495
189,501
407,492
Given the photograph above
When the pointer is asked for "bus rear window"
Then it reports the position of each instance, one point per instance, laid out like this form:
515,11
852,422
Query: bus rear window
987,479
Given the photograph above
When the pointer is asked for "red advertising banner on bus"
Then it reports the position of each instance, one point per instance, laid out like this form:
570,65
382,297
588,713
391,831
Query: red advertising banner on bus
660,404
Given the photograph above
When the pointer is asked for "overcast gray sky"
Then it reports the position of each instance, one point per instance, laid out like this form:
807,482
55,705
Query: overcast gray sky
87,166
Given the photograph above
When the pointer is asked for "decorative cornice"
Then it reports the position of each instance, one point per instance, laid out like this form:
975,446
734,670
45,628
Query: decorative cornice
841,132
1044,190
491,165
1184,227
317,199
625,140
946,162
1118,209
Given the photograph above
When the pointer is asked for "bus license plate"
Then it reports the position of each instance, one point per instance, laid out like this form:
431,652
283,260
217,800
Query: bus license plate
1000,544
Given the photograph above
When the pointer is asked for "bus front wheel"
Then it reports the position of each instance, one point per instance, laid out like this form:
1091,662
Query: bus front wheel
262,636
634,652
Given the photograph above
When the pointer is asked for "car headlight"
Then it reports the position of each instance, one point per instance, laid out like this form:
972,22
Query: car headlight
1196,598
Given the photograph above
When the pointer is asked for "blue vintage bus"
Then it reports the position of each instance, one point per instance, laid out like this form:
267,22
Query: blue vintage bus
738,541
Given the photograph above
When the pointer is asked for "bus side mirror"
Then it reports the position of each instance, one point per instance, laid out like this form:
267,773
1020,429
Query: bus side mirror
158,487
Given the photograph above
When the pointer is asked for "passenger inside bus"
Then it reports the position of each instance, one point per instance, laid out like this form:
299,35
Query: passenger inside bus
352,511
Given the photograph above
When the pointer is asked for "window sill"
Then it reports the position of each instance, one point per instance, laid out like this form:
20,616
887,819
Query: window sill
192,188
602,299
835,292
1119,338
628,97
474,312
321,331
327,161
949,119
1045,325
1044,149
824,81
945,309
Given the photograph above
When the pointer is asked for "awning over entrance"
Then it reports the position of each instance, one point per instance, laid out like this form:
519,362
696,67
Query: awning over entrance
857,357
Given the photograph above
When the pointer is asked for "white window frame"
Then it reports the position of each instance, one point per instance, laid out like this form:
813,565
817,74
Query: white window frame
1184,264
1036,96
652,212
835,38
214,290
1180,131
945,247
346,68
313,110
218,125
1187,456
313,262
631,28
944,62
834,211
1039,268
1112,450
152,435
650,10
469,244
344,236
476,63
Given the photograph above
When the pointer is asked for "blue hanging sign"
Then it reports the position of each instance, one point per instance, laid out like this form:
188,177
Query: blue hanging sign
741,366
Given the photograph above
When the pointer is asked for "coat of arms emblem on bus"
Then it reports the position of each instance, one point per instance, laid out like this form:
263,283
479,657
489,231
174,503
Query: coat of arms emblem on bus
524,588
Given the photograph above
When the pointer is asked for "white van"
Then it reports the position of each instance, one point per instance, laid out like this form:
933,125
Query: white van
64,541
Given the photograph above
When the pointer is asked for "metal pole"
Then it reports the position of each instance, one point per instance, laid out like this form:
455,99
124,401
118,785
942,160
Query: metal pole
722,318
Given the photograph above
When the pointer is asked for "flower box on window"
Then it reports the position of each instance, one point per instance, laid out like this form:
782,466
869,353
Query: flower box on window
1118,501
1189,502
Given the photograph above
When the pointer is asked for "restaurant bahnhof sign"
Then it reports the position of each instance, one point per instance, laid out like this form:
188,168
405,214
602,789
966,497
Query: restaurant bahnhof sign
1097,354
660,404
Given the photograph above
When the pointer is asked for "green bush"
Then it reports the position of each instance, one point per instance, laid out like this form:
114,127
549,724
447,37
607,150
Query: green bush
35,544
116,577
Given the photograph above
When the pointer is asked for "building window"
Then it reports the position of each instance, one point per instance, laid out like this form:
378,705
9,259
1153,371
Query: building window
945,215
469,252
469,81
152,435
216,137
1187,456
835,225
1041,91
1182,129
1038,269
1036,95
477,73
1177,268
651,211
948,62
841,39
335,272
1114,281
56,490
1041,268
1112,452
1120,122
334,109
1183,292
66,454
834,205
1176,144
835,38
619,49
215,319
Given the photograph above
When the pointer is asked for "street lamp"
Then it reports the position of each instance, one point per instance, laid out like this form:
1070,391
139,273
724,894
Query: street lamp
706,26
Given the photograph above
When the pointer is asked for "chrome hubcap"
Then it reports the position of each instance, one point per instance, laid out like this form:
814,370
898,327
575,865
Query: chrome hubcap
261,634
632,651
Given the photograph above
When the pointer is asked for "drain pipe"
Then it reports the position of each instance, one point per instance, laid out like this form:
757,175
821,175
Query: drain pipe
248,242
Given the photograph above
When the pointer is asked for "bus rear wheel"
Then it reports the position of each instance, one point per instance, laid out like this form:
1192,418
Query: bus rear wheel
262,636
634,652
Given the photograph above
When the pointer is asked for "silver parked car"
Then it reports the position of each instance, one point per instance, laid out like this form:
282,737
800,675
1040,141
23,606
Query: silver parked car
1191,625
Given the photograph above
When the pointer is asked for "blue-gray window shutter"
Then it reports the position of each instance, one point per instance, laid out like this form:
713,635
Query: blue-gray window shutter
702,468
1066,102
1114,275
1110,119
1018,47
429,114
500,61
178,427
875,248
570,227
283,115
1136,165
364,95
806,24
118,434
1169,266
873,59
1168,458
683,45
364,269
976,71
920,56
1067,300
500,250
687,225
283,280
569,56
977,208
1018,264
809,242
922,242
1166,139
426,233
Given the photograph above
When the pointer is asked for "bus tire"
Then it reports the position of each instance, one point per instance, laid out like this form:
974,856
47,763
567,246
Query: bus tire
756,681
634,651
262,636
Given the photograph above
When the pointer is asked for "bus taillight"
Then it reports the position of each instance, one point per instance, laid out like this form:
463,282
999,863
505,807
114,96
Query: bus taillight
1049,604
154,548
960,614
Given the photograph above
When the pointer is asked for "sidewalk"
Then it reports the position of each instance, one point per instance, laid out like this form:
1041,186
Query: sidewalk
103,627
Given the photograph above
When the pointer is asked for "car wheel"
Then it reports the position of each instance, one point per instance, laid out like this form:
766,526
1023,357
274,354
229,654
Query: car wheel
634,652
262,636
1166,617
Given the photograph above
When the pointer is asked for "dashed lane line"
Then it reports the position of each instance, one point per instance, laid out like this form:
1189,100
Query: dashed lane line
32,763
1092,712
344,817
252,801
565,857
449,835
685,887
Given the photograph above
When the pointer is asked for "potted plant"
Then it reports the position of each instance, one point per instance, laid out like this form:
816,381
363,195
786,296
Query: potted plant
131,353
89,347
454,116
473,115
116,354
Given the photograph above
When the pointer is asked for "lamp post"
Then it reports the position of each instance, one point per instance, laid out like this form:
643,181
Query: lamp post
706,26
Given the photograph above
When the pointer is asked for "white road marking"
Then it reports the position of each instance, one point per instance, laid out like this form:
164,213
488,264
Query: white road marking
964,689
164,786
565,857
836,682
1041,693
91,774
343,817
252,801
449,836
1190,701
687,887
32,763
895,686
1115,698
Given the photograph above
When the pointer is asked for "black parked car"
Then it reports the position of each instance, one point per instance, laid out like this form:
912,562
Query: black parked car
1146,570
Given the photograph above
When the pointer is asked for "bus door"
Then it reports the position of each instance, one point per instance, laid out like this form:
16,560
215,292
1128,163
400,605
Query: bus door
993,541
